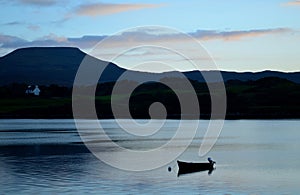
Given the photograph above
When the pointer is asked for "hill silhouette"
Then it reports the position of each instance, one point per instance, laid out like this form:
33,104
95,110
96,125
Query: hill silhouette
47,65
58,65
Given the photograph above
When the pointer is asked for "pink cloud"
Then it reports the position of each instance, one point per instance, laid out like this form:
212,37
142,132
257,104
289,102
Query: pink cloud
54,37
237,35
293,3
98,9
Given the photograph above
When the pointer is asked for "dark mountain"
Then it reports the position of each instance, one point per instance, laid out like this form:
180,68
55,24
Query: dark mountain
245,76
294,77
59,65
40,65
48,65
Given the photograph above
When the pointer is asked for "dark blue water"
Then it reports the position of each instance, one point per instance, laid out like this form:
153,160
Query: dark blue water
47,156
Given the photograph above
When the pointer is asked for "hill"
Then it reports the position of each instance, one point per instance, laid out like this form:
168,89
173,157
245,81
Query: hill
46,66
58,65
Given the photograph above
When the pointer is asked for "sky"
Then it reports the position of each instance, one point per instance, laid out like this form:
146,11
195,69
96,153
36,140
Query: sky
239,35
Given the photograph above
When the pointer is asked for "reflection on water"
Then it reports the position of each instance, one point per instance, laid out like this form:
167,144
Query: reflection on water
46,156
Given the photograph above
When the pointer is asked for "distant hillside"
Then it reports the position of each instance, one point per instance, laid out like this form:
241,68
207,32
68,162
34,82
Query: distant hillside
246,76
46,65
40,65
58,65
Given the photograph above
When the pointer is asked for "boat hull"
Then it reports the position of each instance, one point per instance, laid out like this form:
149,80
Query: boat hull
188,167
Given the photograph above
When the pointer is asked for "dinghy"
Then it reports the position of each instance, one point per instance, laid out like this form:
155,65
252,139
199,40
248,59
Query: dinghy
190,167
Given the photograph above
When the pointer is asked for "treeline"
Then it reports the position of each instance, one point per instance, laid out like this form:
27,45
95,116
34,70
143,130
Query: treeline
270,97
266,98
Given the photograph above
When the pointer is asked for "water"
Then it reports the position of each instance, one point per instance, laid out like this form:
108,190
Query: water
47,156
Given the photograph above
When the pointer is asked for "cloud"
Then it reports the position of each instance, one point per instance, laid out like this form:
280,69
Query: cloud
54,37
86,41
38,2
33,27
7,41
236,35
145,36
13,42
99,9
292,3
14,23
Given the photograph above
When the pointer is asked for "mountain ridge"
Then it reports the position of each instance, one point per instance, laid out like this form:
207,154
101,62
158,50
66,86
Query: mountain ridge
59,65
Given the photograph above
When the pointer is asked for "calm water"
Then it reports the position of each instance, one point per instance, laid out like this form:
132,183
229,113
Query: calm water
253,157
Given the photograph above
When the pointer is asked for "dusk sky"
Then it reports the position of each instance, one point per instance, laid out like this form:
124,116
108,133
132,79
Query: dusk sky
240,35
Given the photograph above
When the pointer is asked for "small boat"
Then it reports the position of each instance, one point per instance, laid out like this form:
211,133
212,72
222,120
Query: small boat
190,167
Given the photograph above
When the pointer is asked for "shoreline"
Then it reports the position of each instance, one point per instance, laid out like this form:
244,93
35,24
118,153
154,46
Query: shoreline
249,117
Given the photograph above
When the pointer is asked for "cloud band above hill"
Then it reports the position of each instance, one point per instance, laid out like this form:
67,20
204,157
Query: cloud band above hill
7,41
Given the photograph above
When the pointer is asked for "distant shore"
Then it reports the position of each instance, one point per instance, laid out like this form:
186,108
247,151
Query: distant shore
267,98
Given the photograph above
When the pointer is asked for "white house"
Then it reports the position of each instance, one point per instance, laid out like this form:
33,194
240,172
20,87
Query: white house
36,91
